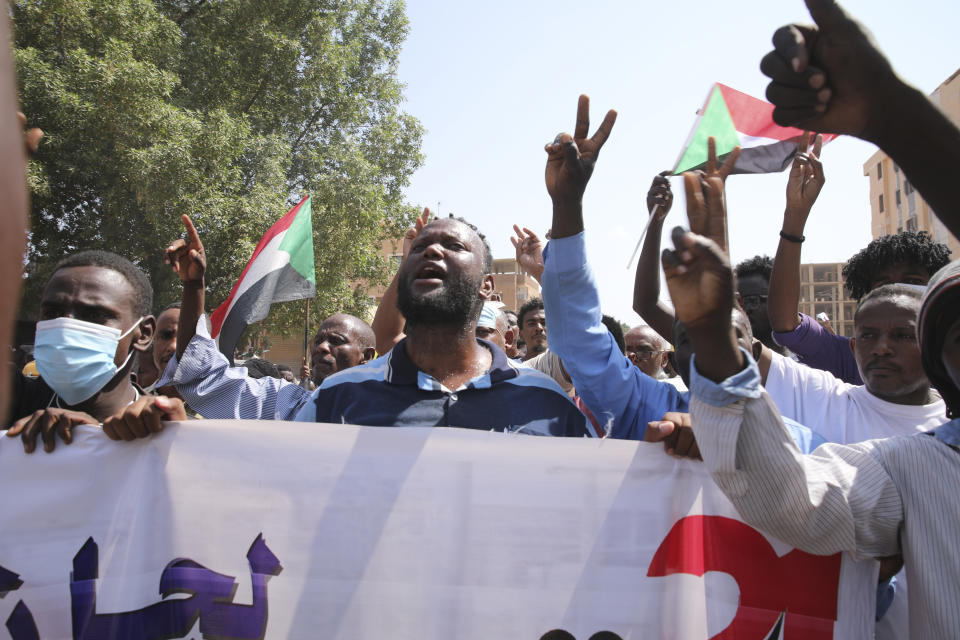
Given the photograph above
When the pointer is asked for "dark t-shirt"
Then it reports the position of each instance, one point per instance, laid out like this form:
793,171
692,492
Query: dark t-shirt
27,396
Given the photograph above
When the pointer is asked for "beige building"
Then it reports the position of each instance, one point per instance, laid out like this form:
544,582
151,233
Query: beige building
822,291
894,204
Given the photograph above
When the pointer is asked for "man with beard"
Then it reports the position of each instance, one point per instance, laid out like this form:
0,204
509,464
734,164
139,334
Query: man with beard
440,373
203,376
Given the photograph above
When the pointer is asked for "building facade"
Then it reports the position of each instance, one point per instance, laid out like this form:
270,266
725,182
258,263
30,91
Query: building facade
894,204
822,291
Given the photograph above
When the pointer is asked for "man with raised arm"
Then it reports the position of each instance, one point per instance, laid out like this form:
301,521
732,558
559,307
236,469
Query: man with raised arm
646,283
876,498
203,376
907,257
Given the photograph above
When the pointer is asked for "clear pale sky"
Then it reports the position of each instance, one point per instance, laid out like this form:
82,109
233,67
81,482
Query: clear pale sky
493,82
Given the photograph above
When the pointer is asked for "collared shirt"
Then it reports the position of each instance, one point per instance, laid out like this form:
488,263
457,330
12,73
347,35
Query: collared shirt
870,499
621,396
391,391
818,348
214,389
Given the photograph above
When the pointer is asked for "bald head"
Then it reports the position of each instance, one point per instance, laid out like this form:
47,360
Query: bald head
342,341
646,349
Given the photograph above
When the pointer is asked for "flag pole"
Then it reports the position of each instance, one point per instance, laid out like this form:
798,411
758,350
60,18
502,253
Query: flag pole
305,381
633,255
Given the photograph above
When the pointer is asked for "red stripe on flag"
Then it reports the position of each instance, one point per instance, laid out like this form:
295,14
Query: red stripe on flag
281,225
754,117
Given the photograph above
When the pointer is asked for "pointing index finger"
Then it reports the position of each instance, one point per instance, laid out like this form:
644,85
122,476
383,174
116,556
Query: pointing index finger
192,234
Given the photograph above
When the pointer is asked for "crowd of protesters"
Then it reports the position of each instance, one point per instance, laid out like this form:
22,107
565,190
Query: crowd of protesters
829,443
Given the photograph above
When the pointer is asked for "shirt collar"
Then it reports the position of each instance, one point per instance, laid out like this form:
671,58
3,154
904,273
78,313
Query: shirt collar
948,433
403,371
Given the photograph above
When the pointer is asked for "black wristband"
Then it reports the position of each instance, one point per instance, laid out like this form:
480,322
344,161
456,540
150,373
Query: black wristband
792,238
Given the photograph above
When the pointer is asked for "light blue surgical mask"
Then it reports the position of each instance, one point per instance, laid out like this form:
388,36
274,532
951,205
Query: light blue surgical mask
76,358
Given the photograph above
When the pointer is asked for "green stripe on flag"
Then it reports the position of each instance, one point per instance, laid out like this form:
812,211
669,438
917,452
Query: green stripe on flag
716,122
298,242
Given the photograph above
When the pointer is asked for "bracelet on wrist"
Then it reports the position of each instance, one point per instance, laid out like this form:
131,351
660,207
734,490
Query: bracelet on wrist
792,238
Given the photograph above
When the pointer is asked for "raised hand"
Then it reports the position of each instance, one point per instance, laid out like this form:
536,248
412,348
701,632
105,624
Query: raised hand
700,281
422,220
832,77
722,171
143,418
570,159
806,180
660,194
529,248
187,257
706,209
49,424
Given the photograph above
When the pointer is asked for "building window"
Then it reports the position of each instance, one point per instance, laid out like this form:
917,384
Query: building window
907,187
881,203
879,171
896,169
898,197
912,223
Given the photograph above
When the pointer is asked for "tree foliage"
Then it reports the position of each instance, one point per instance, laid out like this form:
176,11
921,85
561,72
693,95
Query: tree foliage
229,111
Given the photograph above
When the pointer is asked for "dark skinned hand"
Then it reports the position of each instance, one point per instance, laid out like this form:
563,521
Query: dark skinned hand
831,77
570,159
529,251
706,209
660,194
676,434
716,170
806,179
143,418
49,424
700,281
187,257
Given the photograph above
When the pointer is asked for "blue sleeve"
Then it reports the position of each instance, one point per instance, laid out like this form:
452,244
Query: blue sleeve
214,389
623,398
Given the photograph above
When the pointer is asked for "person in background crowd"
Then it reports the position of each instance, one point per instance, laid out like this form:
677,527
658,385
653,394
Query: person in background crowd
203,376
286,373
647,350
533,327
511,349
753,288
494,326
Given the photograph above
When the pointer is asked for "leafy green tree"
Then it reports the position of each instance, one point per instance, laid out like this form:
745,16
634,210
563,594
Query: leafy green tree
229,111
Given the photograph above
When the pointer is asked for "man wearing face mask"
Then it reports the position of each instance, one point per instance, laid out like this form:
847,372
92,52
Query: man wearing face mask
94,319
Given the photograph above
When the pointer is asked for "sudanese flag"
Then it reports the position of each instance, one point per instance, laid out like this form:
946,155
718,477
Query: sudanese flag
280,270
735,119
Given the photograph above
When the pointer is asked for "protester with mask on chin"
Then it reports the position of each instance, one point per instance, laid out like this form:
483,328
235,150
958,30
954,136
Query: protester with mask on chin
94,318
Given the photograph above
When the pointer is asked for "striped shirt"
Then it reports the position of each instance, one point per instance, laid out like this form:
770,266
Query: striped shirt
391,391
214,389
874,498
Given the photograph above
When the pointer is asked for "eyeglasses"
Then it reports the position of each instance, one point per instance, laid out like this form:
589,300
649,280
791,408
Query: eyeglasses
643,355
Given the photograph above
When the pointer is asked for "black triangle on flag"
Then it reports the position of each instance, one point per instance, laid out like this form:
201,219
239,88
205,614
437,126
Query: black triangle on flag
776,632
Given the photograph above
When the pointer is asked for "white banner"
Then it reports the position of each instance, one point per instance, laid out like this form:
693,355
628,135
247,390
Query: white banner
243,529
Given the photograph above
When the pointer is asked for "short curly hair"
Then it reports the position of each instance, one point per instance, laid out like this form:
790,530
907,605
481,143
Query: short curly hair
533,304
907,247
142,291
756,266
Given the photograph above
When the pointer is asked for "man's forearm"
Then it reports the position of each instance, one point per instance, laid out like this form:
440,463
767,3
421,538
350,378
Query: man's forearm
925,144
567,218
646,284
718,355
191,308
387,322
784,297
